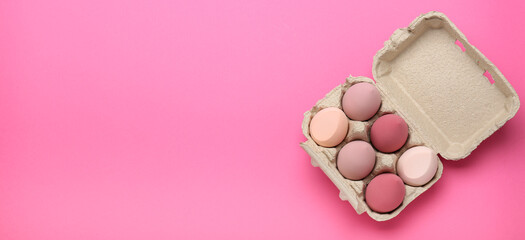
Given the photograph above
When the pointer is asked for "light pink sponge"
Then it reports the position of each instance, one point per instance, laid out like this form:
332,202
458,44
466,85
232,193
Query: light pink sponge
417,166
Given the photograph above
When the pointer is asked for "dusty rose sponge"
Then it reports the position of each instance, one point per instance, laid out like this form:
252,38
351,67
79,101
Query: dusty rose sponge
356,160
361,101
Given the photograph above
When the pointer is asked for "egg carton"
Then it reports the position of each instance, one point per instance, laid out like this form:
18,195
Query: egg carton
440,89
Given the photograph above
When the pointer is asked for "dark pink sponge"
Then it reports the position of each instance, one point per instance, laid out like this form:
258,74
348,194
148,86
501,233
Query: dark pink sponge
389,133
385,192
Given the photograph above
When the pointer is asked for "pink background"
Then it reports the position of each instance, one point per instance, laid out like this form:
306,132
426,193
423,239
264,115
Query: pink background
181,120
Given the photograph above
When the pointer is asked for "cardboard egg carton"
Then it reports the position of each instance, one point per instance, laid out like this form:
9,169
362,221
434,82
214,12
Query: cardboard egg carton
441,92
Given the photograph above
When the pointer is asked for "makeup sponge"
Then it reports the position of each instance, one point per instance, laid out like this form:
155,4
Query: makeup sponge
389,133
361,101
356,160
329,127
385,192
417,166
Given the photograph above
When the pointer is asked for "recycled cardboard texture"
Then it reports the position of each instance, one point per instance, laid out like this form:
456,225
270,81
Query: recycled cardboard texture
437,88
440,90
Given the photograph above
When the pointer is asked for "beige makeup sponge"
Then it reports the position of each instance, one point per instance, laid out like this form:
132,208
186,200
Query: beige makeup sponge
329,127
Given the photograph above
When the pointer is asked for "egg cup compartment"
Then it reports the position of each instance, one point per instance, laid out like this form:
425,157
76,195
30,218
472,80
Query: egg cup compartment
326,158
440,92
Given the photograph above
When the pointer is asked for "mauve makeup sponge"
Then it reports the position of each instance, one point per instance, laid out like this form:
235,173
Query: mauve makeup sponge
356,160
361,101
385,192
417,166
389,133
329,127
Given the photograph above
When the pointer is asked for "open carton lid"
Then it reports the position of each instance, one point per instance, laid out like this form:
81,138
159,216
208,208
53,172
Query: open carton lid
439,89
